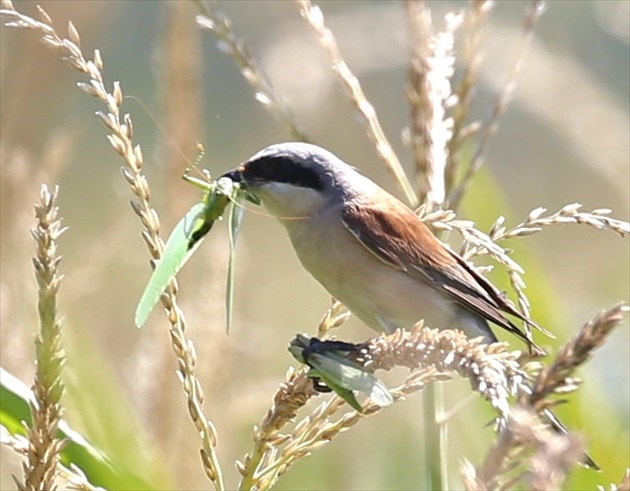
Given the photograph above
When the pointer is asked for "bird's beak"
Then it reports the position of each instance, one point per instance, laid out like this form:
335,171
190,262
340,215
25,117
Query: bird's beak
234,175
237,177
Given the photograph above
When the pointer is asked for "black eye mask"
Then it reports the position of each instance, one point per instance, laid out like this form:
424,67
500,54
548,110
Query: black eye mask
281,169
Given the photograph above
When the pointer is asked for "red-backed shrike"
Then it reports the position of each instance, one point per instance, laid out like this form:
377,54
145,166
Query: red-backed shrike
368,249
372,252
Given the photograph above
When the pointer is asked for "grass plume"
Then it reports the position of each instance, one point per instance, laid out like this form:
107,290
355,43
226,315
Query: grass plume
315,18
46,411
487,130
217,22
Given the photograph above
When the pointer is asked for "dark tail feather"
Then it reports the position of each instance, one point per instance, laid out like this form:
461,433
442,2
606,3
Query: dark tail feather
557,425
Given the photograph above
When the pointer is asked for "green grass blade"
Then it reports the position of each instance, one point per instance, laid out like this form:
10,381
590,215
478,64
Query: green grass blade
235,219
177,251
99,469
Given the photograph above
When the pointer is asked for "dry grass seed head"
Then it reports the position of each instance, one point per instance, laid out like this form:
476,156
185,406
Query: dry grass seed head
44,447
556,377
229,43
315,18
429,90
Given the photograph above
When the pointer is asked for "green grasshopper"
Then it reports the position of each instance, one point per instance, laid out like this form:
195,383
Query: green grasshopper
334,364
188,234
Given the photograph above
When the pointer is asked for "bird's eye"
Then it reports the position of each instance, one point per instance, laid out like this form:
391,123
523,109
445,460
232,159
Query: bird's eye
282,169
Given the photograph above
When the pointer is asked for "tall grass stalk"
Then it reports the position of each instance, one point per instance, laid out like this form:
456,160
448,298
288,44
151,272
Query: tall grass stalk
44,446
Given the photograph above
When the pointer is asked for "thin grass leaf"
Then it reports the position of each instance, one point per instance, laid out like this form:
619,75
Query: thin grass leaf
187,236
176,252
235,219
100,469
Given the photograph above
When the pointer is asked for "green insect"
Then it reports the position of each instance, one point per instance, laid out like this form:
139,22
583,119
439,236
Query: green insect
188,234
333,363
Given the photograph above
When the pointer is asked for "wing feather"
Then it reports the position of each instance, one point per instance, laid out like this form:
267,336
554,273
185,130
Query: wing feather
393,234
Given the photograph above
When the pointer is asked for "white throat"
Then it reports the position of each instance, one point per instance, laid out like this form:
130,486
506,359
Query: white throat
287,200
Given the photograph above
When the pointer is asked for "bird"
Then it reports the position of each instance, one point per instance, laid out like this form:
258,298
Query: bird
369,250
373,253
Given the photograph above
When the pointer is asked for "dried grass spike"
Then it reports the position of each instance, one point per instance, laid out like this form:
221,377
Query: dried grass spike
46,410
219,24
315,17
576,352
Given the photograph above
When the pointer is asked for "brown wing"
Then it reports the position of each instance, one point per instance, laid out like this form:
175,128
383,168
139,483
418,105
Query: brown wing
499,298
395,235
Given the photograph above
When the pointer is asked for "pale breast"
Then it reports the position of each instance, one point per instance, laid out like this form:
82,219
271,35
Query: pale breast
381,296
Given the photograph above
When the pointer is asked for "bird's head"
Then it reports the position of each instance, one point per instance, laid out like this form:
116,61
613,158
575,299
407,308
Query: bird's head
297,179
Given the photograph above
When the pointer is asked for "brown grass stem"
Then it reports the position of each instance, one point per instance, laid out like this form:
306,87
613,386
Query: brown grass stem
554,452
535,10
292,395
477,243
315,18
215,21
431,67
470,60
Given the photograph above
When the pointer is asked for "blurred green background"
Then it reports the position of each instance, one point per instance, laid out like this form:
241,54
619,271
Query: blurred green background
565,138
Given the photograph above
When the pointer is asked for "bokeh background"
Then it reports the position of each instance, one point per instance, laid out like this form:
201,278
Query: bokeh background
565,138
